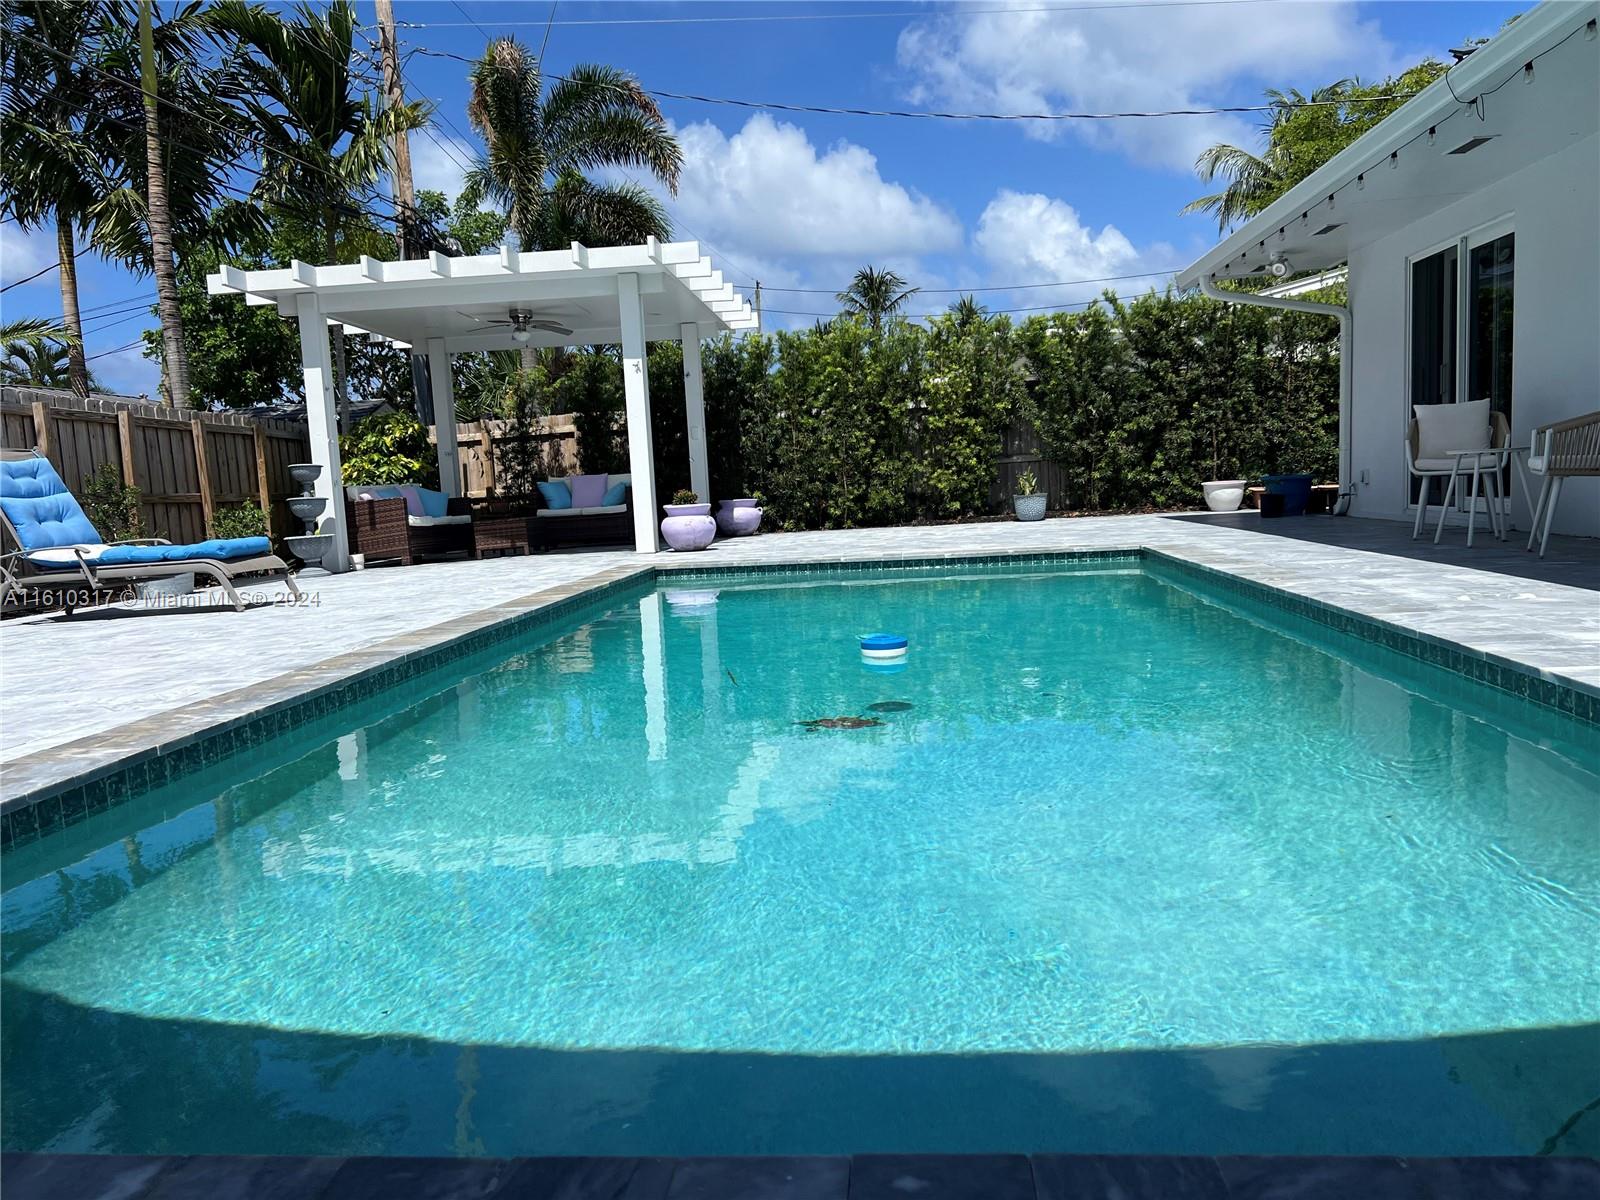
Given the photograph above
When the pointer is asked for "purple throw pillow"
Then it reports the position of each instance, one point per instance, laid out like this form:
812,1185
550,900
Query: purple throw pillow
413,501
588,491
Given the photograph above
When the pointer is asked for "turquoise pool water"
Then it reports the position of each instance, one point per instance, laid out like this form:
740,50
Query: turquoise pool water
1120,868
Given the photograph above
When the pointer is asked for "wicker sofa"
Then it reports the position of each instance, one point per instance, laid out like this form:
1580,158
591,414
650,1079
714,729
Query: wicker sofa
382,530
606,525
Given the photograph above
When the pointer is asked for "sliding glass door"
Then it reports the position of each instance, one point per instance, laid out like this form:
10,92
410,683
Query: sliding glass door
1462,351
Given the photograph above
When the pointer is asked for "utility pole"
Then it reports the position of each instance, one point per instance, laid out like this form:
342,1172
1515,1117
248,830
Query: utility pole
405,196
757,306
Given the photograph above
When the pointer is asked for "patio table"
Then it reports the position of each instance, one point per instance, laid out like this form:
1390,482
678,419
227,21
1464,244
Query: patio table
1485,467
496,536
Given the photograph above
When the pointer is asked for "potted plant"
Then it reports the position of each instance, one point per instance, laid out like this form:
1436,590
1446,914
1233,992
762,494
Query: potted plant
1029,502
688,524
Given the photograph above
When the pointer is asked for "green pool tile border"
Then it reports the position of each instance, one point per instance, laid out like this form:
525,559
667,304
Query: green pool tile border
65,801
1515,679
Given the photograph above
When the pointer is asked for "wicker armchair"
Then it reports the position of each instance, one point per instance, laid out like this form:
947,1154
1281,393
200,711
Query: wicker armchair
381,530
1567,448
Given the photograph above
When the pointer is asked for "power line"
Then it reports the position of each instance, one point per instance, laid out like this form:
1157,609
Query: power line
940,115
995,287
45,270
116,350
901,14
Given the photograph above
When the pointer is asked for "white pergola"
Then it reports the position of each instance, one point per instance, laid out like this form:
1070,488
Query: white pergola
444,305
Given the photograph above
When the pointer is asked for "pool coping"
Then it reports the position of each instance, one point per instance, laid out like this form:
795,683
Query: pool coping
62,785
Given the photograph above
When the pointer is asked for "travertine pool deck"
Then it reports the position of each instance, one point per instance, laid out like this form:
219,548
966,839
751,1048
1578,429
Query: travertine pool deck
85,691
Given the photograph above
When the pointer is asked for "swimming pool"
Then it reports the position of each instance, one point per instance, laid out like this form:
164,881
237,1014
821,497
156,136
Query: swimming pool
1115,862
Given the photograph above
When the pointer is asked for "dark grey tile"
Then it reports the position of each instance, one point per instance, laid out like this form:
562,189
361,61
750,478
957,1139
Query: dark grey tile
245,1177
941,1177
588,1179
419,1178
1319,1179
1126,1177
79,1176
761,1179
1507,1178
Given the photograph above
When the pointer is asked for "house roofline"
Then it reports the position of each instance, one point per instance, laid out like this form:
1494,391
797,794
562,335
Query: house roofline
1534,32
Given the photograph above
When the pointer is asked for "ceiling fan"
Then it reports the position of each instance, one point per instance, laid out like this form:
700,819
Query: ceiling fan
522,323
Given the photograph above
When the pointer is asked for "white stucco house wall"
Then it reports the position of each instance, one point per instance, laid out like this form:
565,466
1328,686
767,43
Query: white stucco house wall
1470,223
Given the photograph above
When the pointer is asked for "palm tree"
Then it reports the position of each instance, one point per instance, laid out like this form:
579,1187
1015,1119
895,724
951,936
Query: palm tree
967,312
1255,181
324,145
39,362
169,132
33,331
51,168
875,294
539,144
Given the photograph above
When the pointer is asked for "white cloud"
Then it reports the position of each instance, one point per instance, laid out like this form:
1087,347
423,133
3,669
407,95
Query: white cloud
1028,237
23,252
438,161
769,194
1137,60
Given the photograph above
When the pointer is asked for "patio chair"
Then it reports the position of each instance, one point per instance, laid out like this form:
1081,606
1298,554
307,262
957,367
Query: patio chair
1558,452
1427,461
57,543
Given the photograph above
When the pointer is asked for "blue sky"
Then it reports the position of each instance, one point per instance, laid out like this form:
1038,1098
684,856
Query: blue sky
801,200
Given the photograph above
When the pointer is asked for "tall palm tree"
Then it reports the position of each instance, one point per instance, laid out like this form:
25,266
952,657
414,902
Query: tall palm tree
968,312
170,132
539,144
876,294
324,143
45,139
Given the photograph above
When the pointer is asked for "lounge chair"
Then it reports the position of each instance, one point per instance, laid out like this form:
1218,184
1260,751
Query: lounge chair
56,544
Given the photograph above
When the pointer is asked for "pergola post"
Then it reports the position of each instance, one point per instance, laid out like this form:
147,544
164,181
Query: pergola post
694,402
444,417
322,419
636,392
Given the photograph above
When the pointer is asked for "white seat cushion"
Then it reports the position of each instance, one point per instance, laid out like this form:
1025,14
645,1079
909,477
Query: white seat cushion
1448,464
452,519
1443,429
559,512
599,509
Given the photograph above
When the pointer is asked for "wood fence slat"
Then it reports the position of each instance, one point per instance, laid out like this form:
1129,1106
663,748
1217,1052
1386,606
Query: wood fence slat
41,432
125,446
263,480
202,466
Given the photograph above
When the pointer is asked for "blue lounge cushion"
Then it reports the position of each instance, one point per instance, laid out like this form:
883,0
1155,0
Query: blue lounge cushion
224,549
434,504
41,508
616,493
556,494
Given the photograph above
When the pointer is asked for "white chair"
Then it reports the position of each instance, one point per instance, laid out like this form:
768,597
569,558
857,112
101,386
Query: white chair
1559,451
1435,434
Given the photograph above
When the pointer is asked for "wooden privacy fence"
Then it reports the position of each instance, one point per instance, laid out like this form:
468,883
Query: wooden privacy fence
187,465
481,449
1022,451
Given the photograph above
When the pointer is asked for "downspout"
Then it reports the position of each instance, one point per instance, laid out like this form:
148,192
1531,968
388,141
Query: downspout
1208,287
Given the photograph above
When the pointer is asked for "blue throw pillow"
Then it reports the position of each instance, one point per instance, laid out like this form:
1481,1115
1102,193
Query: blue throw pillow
556,495
615,494
434,504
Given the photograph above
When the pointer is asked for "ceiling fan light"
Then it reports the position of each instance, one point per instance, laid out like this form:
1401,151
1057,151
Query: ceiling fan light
521,335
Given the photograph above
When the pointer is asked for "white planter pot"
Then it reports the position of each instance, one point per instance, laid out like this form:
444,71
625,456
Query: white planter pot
1223,495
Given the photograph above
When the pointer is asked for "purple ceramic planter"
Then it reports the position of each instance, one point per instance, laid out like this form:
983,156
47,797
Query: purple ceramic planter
739,518
688,526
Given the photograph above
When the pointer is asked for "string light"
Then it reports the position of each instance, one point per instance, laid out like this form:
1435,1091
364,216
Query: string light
1361,183
1527,72
1330,201
1589,30
1433,132
1394,159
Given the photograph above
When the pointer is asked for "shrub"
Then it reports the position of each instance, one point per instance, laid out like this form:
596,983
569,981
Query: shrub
111,505
240,521
390,447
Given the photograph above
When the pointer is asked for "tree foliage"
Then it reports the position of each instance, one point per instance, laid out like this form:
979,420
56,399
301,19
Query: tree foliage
1301,133
389,447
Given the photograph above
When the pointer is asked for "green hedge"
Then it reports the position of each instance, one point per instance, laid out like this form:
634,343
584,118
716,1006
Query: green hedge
837,426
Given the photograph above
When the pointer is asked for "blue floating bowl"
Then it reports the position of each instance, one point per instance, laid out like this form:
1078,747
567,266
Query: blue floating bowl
883,643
